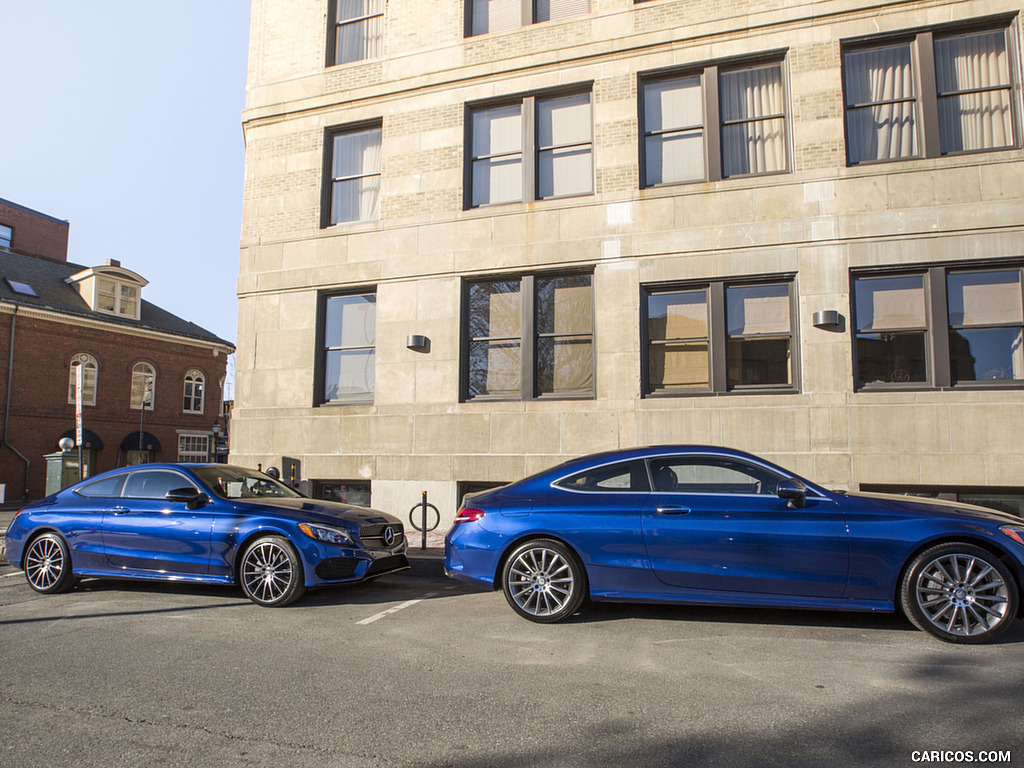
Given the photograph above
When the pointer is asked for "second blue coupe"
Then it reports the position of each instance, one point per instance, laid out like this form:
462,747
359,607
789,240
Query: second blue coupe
706,525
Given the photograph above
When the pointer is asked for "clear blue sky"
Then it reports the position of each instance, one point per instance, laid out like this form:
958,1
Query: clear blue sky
124,118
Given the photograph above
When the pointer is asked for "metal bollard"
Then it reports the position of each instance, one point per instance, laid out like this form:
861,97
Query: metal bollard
423,506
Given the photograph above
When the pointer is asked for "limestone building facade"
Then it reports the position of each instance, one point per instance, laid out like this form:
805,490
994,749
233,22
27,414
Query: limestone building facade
481,237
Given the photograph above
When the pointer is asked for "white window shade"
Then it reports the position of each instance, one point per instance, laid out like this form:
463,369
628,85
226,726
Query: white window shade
548,10
890,303
564,131
753,310
985,298
496,15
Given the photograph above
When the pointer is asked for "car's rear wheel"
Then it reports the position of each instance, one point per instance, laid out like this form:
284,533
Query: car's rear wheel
543,581
960,593
47,564
271,572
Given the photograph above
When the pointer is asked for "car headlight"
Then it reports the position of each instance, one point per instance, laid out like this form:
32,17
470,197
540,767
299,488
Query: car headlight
1015,532
326,533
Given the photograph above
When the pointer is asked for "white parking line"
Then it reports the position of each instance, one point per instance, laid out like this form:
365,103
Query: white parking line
397,608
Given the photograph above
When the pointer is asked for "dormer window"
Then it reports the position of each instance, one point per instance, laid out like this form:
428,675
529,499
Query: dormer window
117,298
111,289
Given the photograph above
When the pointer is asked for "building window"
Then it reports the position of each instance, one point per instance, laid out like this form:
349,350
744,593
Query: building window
348,332
355,492
6,236
529,337
533,149
356,31
117,298
719,337
89,376
194,448
940,327
497,15
195,390
143,386
714,123
929,94
352,189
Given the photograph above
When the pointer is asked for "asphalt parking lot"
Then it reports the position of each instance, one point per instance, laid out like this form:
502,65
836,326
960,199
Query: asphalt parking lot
416,670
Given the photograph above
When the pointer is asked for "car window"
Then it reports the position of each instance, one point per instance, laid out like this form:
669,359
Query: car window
623,476
237,483
154,483
108,487
712,474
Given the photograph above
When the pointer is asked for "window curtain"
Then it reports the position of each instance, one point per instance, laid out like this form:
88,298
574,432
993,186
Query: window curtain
674,125
564,128
565,327
360,30
496,15
548,10
753,121
350,335
356,172
973,79
881,106
497,155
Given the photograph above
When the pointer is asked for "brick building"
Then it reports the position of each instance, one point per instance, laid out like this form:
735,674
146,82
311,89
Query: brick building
481,237
152,381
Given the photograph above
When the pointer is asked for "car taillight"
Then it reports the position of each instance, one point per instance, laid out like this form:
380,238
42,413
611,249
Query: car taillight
469,515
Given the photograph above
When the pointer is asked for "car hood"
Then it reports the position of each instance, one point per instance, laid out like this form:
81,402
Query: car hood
317,511
938,507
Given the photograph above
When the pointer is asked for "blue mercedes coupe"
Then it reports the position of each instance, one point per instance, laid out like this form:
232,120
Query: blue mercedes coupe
203,523
714,526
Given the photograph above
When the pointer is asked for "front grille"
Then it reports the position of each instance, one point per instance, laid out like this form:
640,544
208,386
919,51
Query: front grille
373,536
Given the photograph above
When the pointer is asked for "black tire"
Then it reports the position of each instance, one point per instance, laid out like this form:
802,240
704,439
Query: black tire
960,593
270,572
543,581
47,565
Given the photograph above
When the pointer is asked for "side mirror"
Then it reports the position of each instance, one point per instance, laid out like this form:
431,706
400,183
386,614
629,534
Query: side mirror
192,498
794,491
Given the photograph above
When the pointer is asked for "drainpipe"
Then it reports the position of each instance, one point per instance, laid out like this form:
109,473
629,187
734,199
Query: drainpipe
7,408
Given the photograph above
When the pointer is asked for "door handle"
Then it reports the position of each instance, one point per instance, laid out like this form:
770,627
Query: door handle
672,511
120,510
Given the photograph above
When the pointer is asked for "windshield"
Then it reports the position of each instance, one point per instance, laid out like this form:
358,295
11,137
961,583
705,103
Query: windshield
237,483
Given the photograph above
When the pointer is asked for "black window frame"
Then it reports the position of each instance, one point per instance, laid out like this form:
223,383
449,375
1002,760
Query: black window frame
334,24
320,364
528,15
710,74
6,236
921,42
938,329
529,107
718,337
529,389
329,179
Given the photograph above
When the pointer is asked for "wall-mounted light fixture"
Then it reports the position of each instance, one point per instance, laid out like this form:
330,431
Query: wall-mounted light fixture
828,319
418,343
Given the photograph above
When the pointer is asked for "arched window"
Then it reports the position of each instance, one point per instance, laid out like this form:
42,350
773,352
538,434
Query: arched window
89,370
195,389
143,386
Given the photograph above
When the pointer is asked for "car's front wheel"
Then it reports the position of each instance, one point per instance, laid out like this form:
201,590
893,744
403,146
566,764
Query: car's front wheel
960,593
543,581
271,572
47,564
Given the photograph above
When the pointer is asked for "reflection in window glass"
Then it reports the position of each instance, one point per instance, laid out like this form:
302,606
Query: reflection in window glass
709,474
758,326
495,343
350,336
565,323
891,329
986,324
678,331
